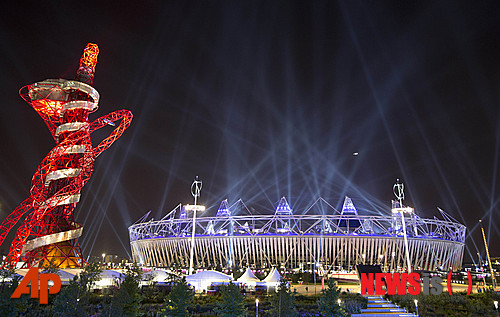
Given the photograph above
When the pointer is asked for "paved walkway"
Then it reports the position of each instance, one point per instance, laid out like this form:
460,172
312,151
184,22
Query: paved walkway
378,307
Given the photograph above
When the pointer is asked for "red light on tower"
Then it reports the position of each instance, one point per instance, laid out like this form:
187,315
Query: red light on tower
89,57
48,235
87,64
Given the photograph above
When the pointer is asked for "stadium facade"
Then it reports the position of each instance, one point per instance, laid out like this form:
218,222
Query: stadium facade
328,241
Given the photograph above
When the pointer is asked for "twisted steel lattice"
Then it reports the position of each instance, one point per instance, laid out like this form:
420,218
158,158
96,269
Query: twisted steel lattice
48,234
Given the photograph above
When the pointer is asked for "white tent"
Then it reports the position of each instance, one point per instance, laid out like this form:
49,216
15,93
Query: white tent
72,271
202,280
109,278
156,276
248,278
66,277
273,278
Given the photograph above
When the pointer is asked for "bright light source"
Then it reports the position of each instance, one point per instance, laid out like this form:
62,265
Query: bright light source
496,304
355,154
194,207
339,301
407,210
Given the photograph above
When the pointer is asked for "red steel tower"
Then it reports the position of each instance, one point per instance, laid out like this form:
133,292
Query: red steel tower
48,235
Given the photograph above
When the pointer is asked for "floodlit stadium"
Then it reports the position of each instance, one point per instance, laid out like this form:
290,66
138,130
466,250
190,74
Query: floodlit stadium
336,241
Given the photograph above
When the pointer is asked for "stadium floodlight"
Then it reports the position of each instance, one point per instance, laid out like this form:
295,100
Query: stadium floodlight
195,191
405,210
194,207
398,190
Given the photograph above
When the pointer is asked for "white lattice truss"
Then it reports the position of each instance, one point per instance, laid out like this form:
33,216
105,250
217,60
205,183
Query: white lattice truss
295,241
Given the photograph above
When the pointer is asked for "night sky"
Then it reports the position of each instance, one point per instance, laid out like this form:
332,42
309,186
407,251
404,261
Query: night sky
263,99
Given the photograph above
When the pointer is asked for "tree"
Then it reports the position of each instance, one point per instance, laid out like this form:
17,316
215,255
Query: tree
11,306
283,301
90,274
178,300
67,302
328,303
73,299
232,302
127,301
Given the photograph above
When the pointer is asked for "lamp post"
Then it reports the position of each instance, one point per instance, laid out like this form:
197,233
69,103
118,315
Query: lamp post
256,307
195,191
314,276
416,305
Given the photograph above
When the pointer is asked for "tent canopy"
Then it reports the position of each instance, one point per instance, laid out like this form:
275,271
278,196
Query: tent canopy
111,274
109,278
159,276
209,275
248,277
202,280
273,277
65,275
